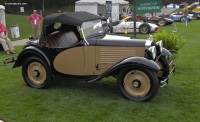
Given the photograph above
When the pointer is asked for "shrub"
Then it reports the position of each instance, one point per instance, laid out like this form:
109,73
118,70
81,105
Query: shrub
171,41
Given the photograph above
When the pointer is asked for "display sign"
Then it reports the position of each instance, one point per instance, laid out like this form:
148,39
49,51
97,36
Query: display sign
21,9
108,9
146,6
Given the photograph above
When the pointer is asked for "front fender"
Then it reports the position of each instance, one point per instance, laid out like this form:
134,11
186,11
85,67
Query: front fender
165,52
131,61
27,52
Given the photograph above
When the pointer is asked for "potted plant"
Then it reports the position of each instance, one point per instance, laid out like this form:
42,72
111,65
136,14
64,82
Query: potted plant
171,41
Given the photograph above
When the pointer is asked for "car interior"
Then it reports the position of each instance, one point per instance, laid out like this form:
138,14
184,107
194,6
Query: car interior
62,36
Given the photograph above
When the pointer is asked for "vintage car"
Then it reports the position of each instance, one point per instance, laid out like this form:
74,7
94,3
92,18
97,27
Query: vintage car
194,15
128,27
178,17
194,7
72,46
160,21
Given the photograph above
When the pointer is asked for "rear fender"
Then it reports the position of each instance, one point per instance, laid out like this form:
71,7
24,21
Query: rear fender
131,61
28,52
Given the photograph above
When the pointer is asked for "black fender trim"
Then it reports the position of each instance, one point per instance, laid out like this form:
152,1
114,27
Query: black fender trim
131,61
164,53
27,52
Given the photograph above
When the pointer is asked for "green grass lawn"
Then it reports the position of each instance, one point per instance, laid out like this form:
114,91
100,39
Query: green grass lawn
24,25
101,101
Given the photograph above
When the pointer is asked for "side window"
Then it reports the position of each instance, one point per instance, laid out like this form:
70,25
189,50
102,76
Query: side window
61,36
57,25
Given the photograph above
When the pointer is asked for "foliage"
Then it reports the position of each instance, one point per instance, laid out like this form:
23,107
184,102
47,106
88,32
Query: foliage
171,41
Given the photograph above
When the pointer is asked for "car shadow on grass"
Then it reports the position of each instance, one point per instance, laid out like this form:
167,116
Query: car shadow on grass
105,88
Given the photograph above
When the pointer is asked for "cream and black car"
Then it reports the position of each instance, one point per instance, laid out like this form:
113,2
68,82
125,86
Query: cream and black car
76,45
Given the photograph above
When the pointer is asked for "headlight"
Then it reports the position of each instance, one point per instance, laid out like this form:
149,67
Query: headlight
159,47
151,52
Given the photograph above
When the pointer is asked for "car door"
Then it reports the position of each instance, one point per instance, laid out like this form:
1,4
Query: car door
70,61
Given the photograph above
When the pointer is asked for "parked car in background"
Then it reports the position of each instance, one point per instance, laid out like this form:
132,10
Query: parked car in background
158,20
178,17
161,21
194,15
126,25
80,48
194,7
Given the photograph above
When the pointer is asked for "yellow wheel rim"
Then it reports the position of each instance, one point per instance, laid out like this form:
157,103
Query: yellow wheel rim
36,73
161,22
137,83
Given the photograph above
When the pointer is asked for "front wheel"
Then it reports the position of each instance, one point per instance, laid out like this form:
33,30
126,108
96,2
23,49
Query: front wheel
36,73
138,83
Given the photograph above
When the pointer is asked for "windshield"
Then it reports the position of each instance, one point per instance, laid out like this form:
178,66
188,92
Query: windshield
93,27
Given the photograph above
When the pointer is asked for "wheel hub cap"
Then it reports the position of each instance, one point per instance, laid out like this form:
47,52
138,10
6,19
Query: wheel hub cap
136,83
36,73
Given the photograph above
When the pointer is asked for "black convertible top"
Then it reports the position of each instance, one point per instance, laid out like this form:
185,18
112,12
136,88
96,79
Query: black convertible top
69,18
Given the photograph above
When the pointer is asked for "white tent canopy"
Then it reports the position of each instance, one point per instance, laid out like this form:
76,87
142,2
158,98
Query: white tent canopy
2,15
98,7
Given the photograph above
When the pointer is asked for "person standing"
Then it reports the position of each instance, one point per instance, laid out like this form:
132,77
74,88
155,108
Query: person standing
185,14
5,41
35,20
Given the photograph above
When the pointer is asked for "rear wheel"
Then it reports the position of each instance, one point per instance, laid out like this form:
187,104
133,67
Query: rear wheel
138,83
144,29
36,73
161,22
194,17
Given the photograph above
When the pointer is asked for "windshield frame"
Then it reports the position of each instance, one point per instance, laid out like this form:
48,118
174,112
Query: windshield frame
98,28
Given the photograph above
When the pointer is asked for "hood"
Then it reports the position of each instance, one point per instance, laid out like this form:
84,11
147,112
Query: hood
114,40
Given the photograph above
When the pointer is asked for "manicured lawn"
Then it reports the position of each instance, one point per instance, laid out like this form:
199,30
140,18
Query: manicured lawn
102,101
25,27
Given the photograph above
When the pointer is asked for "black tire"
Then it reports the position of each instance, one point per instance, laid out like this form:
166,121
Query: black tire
195,17
138,83
164,71
144,29
36,73
161,22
